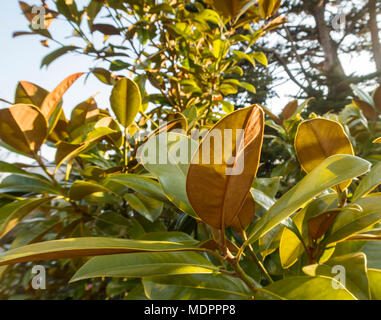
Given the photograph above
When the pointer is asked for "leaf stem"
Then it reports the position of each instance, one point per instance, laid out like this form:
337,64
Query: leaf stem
256,260
125,149
43,167
241,274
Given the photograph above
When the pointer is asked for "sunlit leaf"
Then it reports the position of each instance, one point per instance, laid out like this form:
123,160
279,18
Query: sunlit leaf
329,173
304,288
23,127
125,101
356,278
318,139
86,247
145,264
53,98
223,168
196,287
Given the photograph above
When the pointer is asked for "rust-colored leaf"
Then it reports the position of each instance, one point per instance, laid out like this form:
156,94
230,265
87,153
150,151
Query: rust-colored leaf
29,15
106,29
23,127
53,98
275,23
30,93
319,225
27,11
227,8
318,139
245,215
289,110
366,108
217,189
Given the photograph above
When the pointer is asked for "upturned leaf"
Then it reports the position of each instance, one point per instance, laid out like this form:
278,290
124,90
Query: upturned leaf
267,8
290,109
350,222
317,139
24,128
223,169
53,98
366,108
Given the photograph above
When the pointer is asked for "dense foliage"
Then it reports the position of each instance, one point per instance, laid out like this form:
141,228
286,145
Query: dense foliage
108,223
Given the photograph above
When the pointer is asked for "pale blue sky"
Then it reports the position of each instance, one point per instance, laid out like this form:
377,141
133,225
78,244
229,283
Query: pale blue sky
20,59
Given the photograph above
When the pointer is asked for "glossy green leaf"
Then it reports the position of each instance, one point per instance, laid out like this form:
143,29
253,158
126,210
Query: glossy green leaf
149,208
350,222
144,265
369,182
28,184
12,213
329,173
159,156
196,287
304,288
356,277
120,183
374,276
291,248
81,189
86,247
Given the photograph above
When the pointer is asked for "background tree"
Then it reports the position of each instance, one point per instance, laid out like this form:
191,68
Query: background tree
310,47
